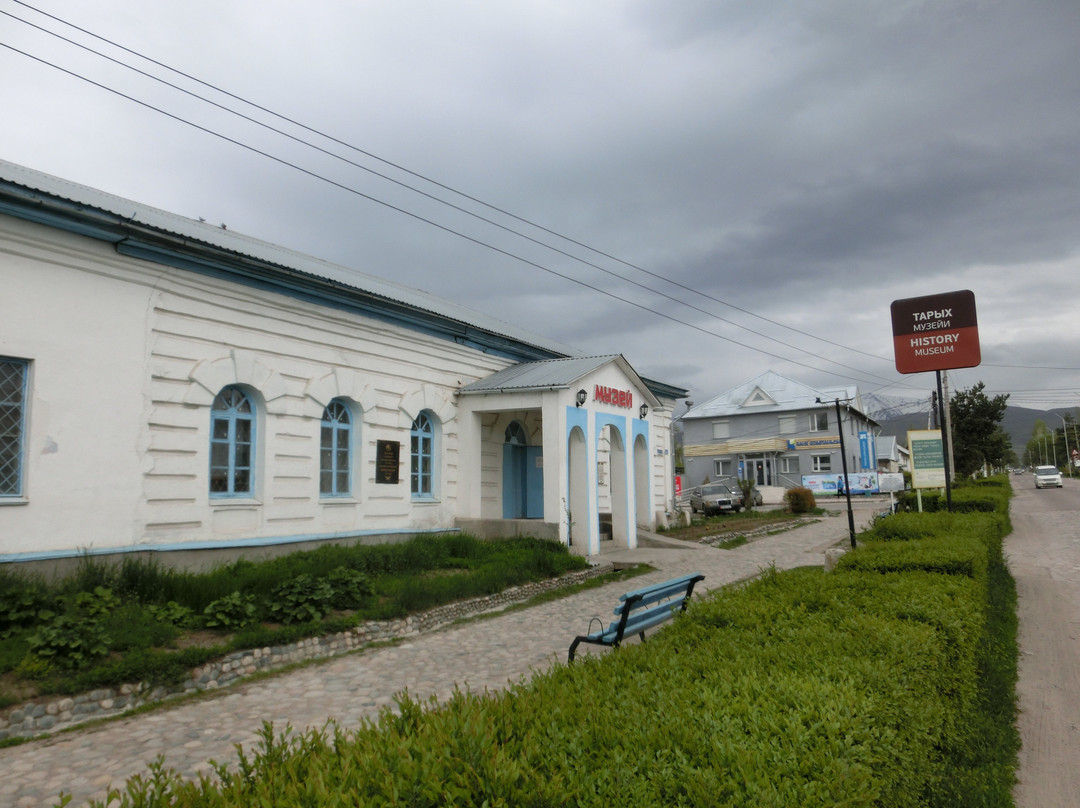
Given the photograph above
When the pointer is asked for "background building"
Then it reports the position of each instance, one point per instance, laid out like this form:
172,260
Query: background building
774,431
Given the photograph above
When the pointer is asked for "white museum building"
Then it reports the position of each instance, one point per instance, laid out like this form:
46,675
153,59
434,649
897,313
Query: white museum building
175,388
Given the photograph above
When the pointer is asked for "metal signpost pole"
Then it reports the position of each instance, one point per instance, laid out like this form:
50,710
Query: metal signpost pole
945,447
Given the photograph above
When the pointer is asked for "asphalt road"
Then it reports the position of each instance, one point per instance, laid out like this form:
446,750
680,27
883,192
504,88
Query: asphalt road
1044,556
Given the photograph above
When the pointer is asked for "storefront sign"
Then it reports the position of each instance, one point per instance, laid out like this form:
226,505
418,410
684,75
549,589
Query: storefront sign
813,443
609,395
936,332
388,454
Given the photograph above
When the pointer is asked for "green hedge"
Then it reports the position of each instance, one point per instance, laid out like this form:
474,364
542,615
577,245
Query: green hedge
863,687
987,495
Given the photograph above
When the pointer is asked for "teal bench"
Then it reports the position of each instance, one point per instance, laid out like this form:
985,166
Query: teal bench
641,609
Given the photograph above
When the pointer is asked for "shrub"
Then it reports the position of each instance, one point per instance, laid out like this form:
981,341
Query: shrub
301,600
100,602
230,612
350,587
70,641
19,607
172,613
799,500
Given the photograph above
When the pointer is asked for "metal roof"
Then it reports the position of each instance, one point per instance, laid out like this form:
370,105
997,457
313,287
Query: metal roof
771,392
552,374
547,374
84,211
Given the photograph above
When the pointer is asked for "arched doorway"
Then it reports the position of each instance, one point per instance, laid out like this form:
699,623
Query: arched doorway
642,500
523,475
612,492
577,502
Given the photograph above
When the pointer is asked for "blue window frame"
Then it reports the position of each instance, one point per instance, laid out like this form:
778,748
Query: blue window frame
423,456
335,451
232,444
12,426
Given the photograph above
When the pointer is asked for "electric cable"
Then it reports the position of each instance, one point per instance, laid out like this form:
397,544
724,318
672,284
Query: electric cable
416,216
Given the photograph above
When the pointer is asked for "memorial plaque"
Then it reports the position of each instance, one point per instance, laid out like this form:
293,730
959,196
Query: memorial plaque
387,461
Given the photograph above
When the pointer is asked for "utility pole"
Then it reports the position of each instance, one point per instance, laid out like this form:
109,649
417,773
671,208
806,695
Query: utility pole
843,465
1065,431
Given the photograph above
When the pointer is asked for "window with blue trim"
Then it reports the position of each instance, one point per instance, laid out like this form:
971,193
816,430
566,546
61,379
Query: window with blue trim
335,451
12,426
232,444
423,456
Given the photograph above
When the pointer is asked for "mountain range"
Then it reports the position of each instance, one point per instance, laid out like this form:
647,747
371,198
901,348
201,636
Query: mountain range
897,416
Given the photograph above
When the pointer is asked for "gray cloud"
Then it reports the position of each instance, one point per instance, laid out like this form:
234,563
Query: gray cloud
810,163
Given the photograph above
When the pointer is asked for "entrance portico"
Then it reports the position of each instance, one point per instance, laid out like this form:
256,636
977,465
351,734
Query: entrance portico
563,444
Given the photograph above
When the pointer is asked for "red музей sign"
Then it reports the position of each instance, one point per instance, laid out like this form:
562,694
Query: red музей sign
936,332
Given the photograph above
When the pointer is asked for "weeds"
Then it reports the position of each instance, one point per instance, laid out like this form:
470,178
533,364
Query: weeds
109,623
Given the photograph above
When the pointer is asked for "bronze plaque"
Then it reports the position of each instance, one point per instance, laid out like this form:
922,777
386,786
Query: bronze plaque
386,463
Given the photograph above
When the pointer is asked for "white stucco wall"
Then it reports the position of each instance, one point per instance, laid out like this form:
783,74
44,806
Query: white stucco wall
126,359
81,318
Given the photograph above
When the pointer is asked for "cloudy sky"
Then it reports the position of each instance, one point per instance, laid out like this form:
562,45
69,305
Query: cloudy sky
711,188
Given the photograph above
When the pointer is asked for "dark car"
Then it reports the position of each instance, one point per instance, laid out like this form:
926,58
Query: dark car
715,498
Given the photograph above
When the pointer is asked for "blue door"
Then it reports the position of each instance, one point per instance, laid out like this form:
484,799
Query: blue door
523,476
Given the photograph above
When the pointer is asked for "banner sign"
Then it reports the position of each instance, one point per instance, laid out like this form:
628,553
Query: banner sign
927,458
890,482
936,332
864,451
866,483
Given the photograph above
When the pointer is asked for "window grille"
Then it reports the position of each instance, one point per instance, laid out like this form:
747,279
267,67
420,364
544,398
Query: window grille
12,426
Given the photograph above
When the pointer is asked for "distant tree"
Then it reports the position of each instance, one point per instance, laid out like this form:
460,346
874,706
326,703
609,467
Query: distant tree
977,435
1036,452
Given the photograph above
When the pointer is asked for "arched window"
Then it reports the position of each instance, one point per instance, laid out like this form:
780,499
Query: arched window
232,444
515,434
423,456
335,451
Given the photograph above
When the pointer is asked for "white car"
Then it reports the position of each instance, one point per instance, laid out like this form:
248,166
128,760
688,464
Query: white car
1047,477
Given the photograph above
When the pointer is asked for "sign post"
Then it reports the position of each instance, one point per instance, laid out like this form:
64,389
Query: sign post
936,332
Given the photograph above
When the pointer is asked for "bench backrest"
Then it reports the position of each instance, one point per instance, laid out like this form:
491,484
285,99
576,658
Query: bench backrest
676,587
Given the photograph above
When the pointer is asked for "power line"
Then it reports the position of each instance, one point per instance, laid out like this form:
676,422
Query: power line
409,213
439,200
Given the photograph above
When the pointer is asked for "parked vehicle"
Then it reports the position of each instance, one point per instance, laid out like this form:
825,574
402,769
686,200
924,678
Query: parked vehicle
1047,477
715,498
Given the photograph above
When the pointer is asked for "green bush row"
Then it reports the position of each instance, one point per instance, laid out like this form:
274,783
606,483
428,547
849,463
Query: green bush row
64,633
863,687
987,495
